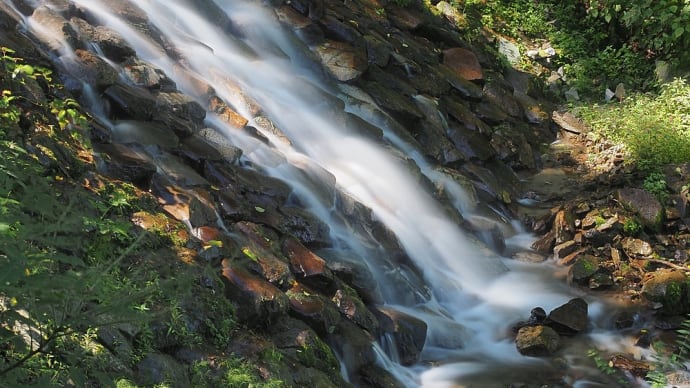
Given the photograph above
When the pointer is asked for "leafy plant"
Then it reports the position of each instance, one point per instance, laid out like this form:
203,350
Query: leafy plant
631,227
654,129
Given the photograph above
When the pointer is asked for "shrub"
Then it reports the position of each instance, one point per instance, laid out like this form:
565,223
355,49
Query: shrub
655,130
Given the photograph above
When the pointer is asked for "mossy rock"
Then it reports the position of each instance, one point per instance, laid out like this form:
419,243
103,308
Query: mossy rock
671,289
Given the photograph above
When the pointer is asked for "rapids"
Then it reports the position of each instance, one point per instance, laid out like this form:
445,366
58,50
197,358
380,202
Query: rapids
469,297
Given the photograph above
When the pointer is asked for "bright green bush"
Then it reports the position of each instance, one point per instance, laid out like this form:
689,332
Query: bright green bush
654,129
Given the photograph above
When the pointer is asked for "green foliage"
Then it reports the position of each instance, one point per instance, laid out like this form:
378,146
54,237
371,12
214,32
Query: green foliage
675,361
654,129
601,364
659,28
231,372
631,227
655,183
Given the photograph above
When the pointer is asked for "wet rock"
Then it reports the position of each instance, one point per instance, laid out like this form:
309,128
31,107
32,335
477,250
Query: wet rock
93,70
409,333
110,42
128,163
537,341
307,266
146,75
145,133
353,345
583,269
545,244
303,347
372,375
670,288
226,114
600,281
679,378
560,251
302,224
317,311
650,212
157,368
258,302
353,271
260,246
55,32
343,61
130,102
570,318
180,112
350,305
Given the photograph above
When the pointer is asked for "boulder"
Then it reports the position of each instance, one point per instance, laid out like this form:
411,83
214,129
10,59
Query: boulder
537,341
307,266
636,248
570,318
669,288
320,313
464,62
583,269
649,210
110,42
259,303
350,305
409,333
343,61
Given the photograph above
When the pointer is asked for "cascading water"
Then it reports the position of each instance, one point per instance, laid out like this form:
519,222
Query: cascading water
468,296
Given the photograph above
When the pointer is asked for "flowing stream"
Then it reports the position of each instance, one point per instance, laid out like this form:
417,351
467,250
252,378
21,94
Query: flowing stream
468,296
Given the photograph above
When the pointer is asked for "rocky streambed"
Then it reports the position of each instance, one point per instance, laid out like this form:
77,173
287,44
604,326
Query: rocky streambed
189,135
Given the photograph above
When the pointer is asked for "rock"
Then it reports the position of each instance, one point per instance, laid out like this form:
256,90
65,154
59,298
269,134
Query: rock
130,102
570,318
537,341
569,123
128,163
353,308
226,114
584,268
510,50
353,345
157,368
600,281
409,333
299,342
259,303
93,70
636,248
307,266
545,244
464,62
644,204
110,42
53,32
560,251
302,224
452,13
669,288
343,61
372,375
146,75
317,311
180,112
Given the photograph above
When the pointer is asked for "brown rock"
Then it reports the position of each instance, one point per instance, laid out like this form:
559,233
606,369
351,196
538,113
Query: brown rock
570,318
464,62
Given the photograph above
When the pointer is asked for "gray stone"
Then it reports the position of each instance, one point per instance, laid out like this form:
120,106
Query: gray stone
570,318
644,204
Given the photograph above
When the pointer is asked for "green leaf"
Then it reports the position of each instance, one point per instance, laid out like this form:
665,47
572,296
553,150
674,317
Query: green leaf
678,32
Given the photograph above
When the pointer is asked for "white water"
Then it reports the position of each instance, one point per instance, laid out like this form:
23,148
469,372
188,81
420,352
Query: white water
470,297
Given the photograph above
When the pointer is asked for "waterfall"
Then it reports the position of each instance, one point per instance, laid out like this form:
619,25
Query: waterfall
468,295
